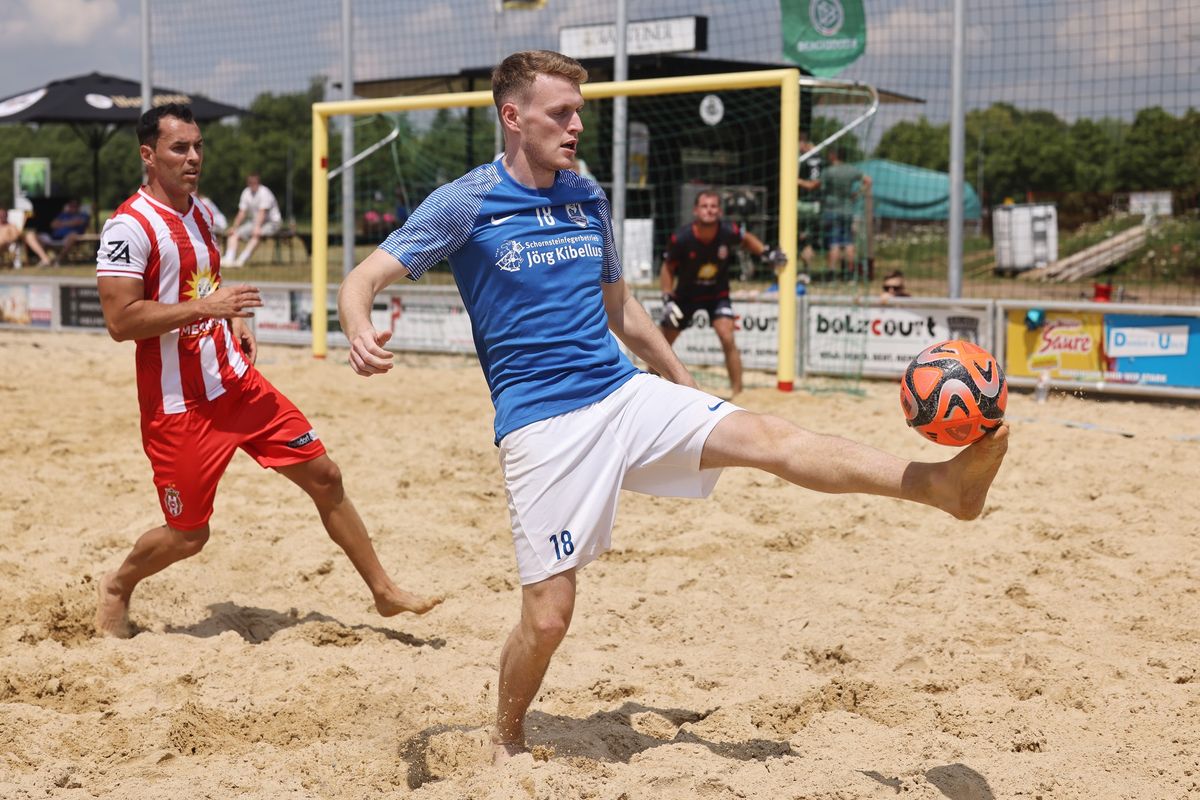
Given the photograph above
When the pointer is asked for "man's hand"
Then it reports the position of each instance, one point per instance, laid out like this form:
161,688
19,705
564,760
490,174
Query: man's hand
672,314
229,302
367,356
773,257
245,339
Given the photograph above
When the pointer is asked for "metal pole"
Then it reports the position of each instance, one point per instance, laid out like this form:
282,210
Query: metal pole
498,138
957,148
347,148
620,74
320,229
147,90
979,188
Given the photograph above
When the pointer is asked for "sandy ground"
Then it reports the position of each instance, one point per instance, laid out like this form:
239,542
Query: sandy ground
769,642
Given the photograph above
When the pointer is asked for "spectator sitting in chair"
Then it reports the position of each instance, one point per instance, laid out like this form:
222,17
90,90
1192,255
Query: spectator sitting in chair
10,236
258,216
65,229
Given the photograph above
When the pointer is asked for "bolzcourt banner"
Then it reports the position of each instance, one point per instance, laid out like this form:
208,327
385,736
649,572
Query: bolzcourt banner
823,36
882,341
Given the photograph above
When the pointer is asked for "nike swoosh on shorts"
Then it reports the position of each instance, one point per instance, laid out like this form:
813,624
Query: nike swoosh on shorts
502,220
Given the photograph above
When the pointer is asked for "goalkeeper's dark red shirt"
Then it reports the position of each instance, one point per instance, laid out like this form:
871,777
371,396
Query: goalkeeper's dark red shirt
701,266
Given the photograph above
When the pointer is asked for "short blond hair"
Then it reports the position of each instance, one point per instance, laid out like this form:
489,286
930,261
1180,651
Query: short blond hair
514,75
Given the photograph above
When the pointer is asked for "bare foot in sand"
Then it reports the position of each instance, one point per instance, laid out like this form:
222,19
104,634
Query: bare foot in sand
112,610
960,486
502,752
396,600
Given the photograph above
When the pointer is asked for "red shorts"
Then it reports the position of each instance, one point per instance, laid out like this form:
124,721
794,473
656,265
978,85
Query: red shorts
190,451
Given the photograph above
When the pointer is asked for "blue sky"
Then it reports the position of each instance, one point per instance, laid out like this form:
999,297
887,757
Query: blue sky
1075,57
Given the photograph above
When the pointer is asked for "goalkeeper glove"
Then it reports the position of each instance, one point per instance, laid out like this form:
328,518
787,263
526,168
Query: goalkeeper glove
672,314
773,257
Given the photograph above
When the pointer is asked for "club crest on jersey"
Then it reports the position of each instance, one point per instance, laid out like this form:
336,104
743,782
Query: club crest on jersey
576,215
723,252
508,256
202,284
173,501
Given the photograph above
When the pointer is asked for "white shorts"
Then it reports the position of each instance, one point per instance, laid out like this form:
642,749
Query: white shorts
563,474
268,228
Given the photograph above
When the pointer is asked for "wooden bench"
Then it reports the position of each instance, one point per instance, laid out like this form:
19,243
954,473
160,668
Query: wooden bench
82,250
284,237
86,247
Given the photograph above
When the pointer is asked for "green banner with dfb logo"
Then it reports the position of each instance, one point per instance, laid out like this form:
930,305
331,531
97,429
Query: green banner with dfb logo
823,36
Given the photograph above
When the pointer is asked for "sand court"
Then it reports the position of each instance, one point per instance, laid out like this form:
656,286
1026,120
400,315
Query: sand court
769,642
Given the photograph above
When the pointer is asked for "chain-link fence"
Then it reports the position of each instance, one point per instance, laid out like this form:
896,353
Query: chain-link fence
1079,126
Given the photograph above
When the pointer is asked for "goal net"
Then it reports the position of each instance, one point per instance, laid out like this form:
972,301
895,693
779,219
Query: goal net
733,133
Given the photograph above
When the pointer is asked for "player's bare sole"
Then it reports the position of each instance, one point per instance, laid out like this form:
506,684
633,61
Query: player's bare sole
502,752
399,601
112,610
963,487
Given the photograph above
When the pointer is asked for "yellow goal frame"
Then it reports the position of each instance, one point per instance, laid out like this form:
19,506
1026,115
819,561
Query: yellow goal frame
788,81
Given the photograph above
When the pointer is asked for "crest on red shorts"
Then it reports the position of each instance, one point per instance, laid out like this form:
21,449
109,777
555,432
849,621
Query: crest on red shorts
173,501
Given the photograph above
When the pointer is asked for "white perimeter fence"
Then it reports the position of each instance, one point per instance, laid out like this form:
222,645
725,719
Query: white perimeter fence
1147,350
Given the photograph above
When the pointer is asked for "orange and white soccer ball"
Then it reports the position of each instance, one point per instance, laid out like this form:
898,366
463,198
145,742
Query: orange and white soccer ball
953,393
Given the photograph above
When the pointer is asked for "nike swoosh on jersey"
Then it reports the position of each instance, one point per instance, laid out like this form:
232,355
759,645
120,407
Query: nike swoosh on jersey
718,405
501,220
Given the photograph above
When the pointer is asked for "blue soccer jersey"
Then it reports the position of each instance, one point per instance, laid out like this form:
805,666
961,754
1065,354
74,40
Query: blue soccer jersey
529,265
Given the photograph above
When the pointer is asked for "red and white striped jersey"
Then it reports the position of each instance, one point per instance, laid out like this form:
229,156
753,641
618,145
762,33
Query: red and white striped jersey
176,258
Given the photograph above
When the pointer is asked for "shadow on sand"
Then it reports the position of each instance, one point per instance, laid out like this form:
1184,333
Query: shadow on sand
956,781
609,736
257,625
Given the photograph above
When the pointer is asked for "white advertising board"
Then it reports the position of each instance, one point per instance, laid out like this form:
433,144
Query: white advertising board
434,322
756,327
882,340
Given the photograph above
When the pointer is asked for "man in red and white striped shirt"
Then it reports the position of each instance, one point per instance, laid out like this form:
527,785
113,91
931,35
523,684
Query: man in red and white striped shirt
201,398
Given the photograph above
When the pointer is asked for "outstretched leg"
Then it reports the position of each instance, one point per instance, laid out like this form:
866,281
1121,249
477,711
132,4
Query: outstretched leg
322,480
546,609
154,551
832,464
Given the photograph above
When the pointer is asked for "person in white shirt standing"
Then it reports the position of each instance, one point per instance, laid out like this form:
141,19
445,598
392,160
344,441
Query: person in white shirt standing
258,216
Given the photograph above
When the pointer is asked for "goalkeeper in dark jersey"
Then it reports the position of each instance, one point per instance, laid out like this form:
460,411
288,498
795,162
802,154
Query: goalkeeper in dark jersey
695,275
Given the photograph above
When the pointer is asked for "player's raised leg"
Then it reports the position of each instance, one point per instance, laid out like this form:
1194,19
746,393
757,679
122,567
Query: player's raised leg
837,465
321,479
154,551
546,609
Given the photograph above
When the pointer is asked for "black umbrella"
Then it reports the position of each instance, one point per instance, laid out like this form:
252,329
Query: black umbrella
95,105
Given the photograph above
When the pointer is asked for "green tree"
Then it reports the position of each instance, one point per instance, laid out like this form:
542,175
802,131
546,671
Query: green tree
1154,151
71,161
1093,147
919,143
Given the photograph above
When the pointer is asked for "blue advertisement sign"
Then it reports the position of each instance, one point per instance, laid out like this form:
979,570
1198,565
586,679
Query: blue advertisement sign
1152,350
